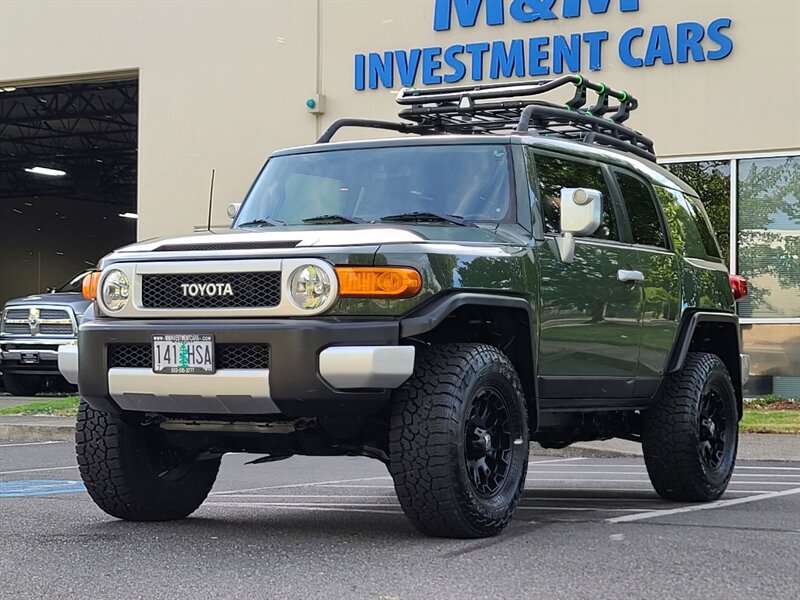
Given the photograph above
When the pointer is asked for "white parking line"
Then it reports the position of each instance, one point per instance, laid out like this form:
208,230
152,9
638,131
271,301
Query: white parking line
643,468
694,508
36,470
309,508
31,444
554,460
643,481
735,475
296,485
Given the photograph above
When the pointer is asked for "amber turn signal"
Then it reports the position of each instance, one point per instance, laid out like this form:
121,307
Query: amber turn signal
378,282
89,286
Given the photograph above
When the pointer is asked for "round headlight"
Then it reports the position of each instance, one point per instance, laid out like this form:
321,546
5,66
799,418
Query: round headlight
115,290
310,287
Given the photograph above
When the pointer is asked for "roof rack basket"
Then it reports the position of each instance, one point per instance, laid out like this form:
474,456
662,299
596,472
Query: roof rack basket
507,108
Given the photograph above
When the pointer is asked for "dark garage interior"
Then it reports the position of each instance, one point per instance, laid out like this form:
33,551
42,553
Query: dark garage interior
68,162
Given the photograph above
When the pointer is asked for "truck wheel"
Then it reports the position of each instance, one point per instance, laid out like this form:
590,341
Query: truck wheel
131,474
689,437
23,385
458,442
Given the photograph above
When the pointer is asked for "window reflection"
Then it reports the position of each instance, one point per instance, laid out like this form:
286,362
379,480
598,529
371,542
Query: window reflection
769,236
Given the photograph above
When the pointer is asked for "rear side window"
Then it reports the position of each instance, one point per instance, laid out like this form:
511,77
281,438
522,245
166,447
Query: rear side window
704,227
646,226
557,173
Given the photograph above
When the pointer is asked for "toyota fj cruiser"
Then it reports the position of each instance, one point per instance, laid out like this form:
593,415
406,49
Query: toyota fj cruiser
517,271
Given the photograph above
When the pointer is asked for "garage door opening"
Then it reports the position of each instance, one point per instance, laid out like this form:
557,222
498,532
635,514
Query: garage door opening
67,180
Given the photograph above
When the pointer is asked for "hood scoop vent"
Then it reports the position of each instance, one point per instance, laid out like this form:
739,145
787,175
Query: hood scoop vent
252,245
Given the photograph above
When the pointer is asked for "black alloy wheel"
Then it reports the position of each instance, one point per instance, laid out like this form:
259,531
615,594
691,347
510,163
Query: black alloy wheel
489,441
458,441
690,435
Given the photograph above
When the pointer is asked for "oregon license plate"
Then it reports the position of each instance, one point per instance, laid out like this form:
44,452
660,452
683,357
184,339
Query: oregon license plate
183,354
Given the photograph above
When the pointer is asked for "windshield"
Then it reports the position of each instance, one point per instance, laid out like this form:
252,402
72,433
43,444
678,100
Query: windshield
75,284
470,181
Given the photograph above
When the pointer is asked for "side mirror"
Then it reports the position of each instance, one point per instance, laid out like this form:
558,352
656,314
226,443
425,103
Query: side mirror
233,209
581,214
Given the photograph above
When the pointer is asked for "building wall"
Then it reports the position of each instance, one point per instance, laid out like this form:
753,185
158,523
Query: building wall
222,84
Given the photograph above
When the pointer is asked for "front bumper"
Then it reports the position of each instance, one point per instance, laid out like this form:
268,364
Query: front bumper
16,355
318,367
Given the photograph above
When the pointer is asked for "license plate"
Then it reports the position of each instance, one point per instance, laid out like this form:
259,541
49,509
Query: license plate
29,358
183,354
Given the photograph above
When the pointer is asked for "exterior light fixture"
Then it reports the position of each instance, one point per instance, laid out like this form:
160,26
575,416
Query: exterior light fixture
46,171
129,215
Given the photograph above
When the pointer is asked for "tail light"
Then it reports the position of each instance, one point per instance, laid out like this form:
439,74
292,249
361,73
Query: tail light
738,286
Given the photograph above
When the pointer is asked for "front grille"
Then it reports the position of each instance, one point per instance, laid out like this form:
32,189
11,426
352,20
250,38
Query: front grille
35,321
55,329
247,290
53,313
228,246
17,328
227,356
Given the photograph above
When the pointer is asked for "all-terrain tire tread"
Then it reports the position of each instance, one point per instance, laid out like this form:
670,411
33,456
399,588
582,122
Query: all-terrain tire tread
669,433
424,425
115,482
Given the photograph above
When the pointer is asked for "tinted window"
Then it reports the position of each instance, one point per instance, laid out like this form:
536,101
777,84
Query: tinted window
471,181
557,173
645,221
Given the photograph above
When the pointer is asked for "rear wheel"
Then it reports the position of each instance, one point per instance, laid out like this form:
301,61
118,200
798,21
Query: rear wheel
132,474
690,436
23,385
458,443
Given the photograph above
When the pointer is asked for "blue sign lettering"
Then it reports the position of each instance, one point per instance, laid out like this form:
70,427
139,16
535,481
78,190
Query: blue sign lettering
539,54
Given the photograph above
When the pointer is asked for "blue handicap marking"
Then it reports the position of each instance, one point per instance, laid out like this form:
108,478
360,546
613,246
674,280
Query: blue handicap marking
39,487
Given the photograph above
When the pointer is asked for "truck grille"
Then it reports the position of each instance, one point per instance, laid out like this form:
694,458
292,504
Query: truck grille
35,321
227,356
247,290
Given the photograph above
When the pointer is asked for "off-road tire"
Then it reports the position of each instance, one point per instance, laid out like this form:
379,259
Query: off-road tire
23,385
116,464
428,440
673,430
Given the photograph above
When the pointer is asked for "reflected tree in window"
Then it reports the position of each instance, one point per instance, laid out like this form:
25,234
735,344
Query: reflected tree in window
769,236
711,180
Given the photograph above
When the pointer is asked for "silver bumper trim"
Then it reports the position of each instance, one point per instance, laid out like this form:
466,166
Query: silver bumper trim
68,363
44,355
745,364
240,391
354,367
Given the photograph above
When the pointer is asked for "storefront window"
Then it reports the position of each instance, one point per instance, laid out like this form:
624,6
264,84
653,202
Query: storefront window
769,236
711,179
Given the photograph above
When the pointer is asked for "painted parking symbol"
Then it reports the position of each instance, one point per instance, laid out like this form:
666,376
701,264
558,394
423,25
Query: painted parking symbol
39,487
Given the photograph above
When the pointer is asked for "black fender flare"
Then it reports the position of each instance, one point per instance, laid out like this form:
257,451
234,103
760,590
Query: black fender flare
431,314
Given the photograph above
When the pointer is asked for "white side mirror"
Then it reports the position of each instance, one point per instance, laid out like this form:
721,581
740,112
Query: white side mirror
233,209
581,214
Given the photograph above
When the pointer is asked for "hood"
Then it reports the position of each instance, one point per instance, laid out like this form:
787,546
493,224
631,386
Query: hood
327,236
72,299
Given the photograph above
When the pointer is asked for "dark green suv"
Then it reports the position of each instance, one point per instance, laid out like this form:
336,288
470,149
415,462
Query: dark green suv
516,271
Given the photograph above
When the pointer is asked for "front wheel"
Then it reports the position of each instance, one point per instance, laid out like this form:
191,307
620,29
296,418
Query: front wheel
23,385
690,436
458,444
132,474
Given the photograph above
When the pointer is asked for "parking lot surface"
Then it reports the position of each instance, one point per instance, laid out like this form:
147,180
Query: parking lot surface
332,528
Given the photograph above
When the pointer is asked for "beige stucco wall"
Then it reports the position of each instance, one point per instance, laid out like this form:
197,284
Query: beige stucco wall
224,83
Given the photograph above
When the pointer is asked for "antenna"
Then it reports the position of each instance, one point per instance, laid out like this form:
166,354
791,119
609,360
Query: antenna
211,200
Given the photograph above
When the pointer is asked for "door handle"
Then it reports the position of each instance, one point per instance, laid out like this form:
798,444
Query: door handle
625,275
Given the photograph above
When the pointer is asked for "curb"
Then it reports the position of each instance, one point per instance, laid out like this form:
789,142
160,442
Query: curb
35,432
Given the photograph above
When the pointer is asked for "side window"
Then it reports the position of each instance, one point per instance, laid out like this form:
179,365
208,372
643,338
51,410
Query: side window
557,173
646,225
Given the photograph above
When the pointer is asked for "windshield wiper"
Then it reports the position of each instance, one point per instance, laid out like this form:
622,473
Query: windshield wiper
333,219
417,217
271,222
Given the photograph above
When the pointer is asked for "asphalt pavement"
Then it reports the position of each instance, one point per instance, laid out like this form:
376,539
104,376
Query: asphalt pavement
332,528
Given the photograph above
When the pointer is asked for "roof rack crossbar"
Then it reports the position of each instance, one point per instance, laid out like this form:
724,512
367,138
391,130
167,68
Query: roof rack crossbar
509,108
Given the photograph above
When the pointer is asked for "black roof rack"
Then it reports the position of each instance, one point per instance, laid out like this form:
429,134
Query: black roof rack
507,108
